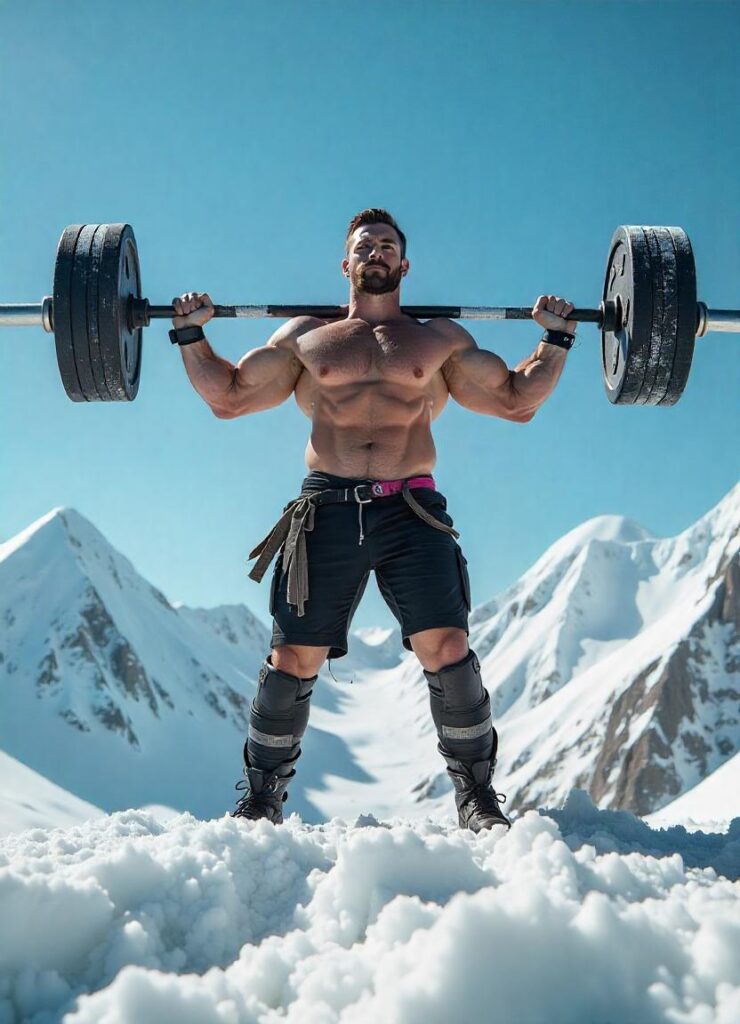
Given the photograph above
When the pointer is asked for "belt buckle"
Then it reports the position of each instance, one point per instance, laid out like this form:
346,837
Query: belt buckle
362,501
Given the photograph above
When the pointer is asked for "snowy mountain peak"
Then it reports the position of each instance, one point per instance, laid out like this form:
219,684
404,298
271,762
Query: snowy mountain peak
620,529
97,665
611,665
717,529
64,537
54,520
620,652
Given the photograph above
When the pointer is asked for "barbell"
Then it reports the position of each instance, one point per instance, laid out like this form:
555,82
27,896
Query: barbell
649,316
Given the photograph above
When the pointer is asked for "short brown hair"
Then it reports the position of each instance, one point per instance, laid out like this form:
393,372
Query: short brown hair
374,216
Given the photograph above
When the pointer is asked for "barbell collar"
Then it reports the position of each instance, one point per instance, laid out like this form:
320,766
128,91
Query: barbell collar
47,314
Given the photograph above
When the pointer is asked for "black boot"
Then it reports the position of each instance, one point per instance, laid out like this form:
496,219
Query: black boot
475,799
266,792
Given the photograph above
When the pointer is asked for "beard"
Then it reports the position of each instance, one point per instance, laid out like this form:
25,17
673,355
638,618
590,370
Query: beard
373,281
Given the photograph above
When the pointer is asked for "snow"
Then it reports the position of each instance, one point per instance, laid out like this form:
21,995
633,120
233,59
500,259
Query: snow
112,718
104,684
125,919
374,635
28,800
369,903
708,801
605,605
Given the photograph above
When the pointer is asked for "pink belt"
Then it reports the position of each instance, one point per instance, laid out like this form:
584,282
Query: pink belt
384,488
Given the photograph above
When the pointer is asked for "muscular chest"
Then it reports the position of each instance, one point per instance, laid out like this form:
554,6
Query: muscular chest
351,351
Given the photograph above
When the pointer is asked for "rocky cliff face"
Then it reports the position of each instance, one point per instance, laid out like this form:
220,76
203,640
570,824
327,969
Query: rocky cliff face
690,704
99,665
624,681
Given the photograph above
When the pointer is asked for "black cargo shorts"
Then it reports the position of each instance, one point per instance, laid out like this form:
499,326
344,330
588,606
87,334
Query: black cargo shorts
421,572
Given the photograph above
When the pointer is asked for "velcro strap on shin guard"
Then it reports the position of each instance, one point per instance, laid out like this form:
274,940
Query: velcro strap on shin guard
461,708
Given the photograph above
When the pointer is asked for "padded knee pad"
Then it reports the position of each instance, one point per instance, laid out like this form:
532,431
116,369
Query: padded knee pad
278,716
461,710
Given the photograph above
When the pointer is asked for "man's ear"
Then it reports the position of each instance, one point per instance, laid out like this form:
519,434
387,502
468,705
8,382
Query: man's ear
405,266
345,267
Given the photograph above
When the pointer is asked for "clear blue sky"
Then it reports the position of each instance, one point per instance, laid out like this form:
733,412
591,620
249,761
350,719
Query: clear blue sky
509,139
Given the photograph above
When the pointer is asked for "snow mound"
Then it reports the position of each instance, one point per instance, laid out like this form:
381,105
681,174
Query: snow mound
619,831
127,919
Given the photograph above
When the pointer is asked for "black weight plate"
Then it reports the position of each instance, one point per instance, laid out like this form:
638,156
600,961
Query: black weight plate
686,323
628,281
93,329
665,316
81,273
62,308
118,280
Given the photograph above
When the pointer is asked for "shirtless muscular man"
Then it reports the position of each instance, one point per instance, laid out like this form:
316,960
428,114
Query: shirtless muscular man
371,385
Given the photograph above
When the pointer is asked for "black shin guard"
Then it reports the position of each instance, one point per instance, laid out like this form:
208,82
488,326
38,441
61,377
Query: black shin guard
278,717
461,710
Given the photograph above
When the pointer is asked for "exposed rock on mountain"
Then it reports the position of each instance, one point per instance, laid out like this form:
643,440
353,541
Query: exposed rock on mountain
612,666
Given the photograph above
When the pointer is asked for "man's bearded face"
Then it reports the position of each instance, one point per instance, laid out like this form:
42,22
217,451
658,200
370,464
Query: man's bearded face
374,262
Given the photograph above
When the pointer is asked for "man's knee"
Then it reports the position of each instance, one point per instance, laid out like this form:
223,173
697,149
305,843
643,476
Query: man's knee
437,648
299,659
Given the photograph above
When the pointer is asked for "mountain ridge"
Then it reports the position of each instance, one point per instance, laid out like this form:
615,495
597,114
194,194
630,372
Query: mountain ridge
610,664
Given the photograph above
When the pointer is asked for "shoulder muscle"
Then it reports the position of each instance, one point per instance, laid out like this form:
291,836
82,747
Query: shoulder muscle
287,335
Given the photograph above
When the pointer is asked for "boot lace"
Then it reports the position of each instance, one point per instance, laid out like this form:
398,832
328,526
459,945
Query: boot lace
487,797
251,800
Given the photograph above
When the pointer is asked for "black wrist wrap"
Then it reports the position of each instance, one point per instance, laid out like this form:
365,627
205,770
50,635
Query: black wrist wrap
559,338
186,335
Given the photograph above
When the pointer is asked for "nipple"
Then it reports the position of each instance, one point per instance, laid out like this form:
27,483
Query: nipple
418,372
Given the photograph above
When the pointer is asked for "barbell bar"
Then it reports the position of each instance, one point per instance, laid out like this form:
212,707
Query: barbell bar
649,315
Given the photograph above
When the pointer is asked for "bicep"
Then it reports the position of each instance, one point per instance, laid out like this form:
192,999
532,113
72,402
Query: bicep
480,380
267,376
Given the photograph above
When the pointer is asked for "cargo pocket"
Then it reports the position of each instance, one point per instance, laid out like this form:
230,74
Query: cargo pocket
464,575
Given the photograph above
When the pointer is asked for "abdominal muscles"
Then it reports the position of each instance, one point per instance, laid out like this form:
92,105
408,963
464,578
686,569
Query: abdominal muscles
377,430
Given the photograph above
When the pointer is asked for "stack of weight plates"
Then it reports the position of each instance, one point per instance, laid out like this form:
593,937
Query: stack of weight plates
652,278
96,272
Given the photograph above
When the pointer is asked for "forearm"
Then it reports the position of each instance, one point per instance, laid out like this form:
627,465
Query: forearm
534,379
210,374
